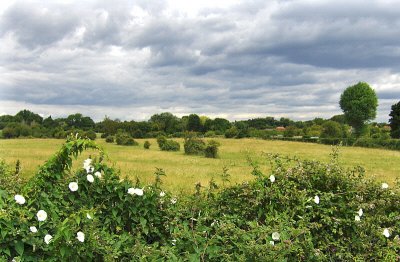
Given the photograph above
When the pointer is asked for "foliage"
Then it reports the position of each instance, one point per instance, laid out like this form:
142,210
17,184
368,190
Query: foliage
231,132
110,139
90,134
331,129
167,144
359,103
194,145
194,123
146,144
299,211
113,214
125,140
211,150
395,121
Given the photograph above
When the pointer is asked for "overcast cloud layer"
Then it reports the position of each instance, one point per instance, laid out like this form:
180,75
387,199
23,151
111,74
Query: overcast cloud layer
233,59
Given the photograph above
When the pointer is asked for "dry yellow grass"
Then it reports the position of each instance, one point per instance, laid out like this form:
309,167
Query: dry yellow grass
184,171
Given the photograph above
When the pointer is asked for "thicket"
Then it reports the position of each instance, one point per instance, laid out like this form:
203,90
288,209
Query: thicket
167,144
146,145
110,139
299,211
123,139
194,145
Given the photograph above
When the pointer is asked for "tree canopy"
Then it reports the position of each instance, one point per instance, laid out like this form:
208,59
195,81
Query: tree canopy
394,121
359,103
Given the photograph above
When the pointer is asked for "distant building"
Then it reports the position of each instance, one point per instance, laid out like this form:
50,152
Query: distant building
280,128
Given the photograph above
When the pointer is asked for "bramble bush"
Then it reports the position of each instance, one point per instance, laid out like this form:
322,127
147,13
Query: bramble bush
110,139
167,144
146,144
194,145
300,211
125,140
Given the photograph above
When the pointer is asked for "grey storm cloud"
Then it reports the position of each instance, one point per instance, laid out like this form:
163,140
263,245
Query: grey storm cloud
253,58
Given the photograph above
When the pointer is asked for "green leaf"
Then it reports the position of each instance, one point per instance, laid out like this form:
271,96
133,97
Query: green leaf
19,247
78,220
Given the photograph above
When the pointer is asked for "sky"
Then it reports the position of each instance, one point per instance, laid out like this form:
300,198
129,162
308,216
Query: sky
234,59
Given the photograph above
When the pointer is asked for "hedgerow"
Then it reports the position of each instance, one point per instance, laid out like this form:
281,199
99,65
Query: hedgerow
300,211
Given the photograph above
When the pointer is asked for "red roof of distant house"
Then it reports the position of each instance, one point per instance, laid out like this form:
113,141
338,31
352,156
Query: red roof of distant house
280,128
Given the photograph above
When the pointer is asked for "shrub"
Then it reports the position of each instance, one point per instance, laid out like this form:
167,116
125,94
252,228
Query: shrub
104,135
90,134
125,140
110,139
231,132
9,132
101,218
211,150
300,211
167,144
194,145
146,145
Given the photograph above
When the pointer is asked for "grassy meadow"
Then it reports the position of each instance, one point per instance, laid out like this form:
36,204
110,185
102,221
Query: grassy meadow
183,172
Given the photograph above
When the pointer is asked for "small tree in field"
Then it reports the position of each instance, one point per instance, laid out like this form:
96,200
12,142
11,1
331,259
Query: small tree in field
395,121
359,103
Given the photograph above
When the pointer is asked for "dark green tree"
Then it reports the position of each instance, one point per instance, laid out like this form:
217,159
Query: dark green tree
394,121
28,117
359,103
194,123
331,129
165,122
79,121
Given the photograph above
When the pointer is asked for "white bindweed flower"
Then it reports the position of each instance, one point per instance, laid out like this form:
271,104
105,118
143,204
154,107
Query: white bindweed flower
19,199
357,218
41,215
276,236
385,186
90,178
98,174
272,178
88,216
135,191
80,236
360,212
87,163
386,232
173,200
47,238
33,229
73,186
272,243
316,199
162,194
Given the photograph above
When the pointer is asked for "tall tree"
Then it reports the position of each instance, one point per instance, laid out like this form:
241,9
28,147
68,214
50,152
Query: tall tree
394,121
359,103
194,123
28,117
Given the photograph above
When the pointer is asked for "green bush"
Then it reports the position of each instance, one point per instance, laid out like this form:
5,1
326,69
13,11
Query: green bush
146,145
300,210
167,144
231,132
125,140
86,215
90,134
211,150
194,145
110,139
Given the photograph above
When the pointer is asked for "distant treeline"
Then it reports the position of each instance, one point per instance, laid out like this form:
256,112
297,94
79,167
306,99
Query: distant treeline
29,124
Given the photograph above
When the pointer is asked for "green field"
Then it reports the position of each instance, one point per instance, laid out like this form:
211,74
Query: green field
183,172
